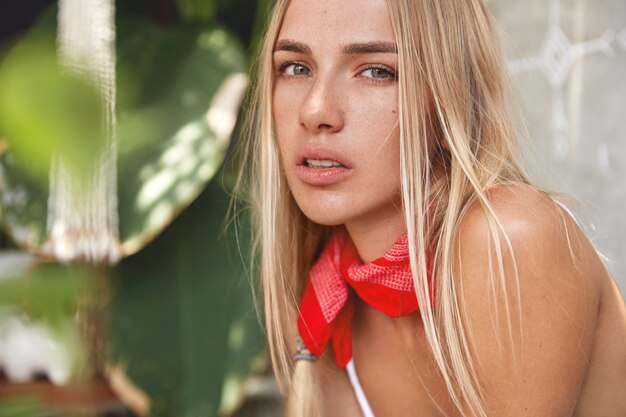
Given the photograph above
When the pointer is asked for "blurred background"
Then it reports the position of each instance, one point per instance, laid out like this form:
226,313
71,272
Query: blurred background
567,60
122,290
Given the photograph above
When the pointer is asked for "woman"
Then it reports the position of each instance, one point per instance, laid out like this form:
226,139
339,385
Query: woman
408,265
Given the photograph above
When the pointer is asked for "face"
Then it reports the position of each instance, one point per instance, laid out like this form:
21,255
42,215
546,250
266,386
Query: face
335,108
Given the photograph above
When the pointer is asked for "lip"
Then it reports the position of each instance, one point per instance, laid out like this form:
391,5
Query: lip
322,176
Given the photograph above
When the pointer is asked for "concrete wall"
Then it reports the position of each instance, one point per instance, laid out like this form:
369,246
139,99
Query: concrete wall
567,60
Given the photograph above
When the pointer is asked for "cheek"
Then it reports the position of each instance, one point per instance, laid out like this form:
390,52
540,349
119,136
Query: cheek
286,101
285,115
376,110
377,132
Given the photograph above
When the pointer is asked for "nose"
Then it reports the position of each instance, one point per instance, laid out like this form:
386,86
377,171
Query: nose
321,111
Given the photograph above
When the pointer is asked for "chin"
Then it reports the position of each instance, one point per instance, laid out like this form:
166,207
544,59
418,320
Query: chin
325,216
323,211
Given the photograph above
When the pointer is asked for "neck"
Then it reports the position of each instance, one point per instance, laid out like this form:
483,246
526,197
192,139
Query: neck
372,240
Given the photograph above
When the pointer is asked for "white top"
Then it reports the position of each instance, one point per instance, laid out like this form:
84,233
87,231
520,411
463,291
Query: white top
358,390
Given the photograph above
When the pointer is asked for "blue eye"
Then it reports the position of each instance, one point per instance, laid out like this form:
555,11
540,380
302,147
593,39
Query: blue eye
379,74
295,69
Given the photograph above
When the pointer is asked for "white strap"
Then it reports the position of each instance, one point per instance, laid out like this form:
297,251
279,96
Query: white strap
360,395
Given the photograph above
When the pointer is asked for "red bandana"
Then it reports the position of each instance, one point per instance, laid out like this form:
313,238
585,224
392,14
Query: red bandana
327,304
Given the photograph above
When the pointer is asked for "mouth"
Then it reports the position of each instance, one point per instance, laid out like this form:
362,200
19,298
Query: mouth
322,163
322,158
322,167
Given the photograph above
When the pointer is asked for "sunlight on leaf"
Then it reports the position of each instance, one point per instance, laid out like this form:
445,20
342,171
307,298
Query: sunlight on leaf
176,127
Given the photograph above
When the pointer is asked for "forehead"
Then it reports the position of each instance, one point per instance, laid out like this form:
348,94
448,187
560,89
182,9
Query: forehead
332,22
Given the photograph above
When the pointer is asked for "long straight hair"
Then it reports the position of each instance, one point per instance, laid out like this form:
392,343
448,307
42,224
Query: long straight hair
456,141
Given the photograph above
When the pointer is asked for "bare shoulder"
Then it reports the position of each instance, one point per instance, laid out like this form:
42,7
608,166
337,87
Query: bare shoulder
523,211
529,300
542,247
539,231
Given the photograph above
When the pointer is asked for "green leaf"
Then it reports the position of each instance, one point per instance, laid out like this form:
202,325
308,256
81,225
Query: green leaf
46,110
43,111
182,317
170,114
24,203
179,93
46,291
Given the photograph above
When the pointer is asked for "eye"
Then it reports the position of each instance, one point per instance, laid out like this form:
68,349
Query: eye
379,73
294,69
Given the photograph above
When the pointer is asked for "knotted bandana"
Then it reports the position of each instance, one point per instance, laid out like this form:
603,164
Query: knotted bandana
327,305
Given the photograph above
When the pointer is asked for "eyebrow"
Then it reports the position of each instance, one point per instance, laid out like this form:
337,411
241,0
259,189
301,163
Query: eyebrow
370,48
349,49
292,46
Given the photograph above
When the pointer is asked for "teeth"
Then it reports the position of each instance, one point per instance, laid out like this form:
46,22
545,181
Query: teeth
314,163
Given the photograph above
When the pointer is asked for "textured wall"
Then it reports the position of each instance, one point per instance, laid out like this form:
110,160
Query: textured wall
567,60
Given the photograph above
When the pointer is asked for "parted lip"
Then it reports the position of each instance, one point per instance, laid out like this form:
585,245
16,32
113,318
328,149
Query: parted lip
321,153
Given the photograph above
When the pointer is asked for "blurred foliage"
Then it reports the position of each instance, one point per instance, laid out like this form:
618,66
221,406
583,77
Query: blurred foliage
49,292
197,10
182,314
26,406
167,78
179,316
239,17
47,296
167,149
24,200
66,108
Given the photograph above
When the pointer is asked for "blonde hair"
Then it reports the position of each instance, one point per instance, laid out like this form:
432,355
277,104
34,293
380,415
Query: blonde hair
456,139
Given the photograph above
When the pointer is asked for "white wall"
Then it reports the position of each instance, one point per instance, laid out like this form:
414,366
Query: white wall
567,60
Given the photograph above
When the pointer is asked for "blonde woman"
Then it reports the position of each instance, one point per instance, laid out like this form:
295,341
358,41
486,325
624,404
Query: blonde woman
409,267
